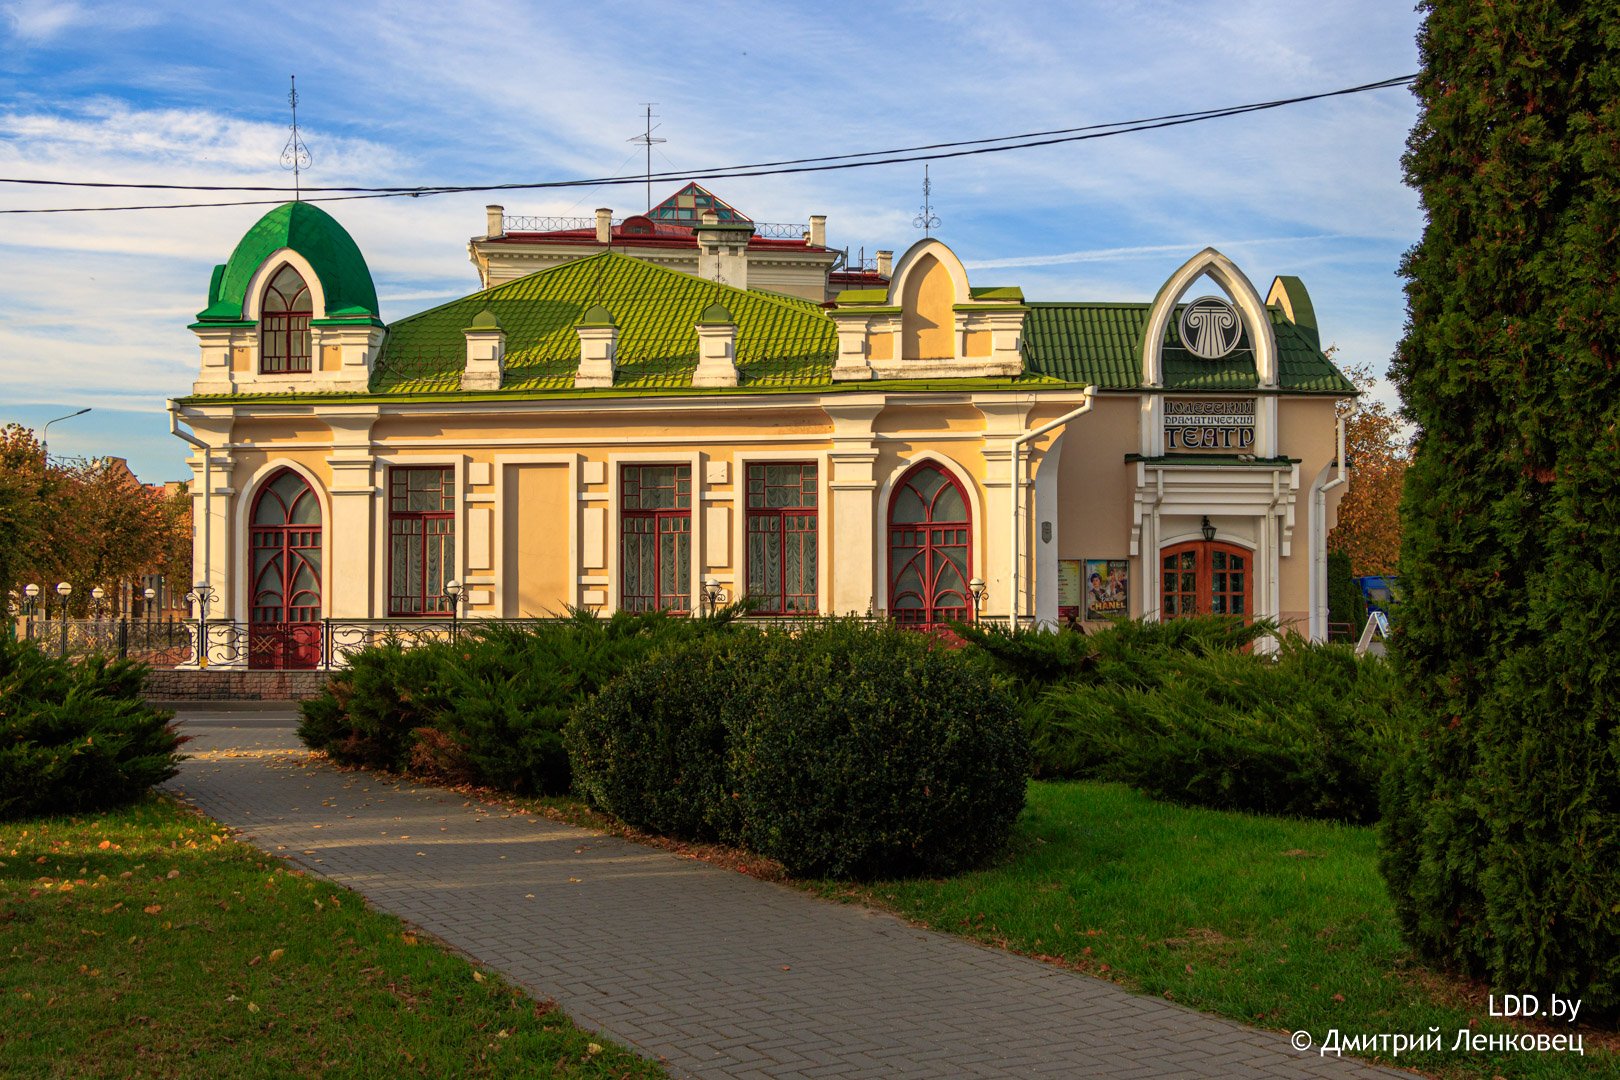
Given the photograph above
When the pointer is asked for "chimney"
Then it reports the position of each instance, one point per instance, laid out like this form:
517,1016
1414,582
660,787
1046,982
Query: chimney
604,225
486,353
818,230
598,349
494,223
723,250
717,348
885,264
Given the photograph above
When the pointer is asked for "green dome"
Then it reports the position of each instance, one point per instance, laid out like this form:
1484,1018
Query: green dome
484,320
314,234
597,316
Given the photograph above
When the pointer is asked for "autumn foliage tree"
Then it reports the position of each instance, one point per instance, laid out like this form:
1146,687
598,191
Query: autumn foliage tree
1501,834
86,521
1369,527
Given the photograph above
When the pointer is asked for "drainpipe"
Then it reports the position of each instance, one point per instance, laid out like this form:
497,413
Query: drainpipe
208,490
1017,491
1319,548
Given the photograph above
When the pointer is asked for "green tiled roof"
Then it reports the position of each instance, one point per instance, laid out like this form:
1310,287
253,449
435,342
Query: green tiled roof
1100,344
314,234
780,341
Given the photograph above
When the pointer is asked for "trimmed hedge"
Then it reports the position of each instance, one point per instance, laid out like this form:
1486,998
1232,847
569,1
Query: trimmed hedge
488,709
77,737
840,750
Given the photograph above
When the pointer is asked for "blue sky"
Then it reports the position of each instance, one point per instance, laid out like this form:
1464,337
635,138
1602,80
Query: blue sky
94,307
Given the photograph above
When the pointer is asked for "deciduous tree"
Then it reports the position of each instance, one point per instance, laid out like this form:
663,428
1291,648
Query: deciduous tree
1369,528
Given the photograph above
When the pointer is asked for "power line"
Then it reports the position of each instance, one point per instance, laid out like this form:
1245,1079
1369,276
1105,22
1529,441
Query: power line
827,163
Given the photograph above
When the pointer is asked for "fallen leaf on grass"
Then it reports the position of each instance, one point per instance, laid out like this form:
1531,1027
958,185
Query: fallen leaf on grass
277,954
409,939
152,909
593,1048
478,976
252,1007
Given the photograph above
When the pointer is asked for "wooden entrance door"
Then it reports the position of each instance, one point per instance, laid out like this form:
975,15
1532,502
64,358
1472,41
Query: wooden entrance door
1206,578
284,627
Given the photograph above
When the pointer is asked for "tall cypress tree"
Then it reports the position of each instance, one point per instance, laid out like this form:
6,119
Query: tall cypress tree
1502,836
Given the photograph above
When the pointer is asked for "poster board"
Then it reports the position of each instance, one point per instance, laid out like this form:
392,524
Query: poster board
1069,578
1106,589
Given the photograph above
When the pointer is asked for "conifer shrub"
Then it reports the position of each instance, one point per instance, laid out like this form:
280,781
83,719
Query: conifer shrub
839,750
370,710
76,737
488,708
1345,603
1307,733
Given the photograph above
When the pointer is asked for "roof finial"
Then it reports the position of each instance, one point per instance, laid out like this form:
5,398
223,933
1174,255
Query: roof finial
648,140
295,155
925,219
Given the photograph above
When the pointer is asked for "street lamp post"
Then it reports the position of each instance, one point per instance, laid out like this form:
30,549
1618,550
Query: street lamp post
201,594
711,593
30,602
64,590
455,591
977,588
45,434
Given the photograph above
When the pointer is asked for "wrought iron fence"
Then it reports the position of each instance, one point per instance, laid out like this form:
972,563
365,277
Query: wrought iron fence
544,223
158,642
781,230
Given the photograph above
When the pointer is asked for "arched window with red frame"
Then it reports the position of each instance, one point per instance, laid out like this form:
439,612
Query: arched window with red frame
284,343
930,548
284,574
1206,578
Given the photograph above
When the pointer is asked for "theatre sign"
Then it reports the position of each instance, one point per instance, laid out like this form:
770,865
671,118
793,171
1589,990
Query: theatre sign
1204,424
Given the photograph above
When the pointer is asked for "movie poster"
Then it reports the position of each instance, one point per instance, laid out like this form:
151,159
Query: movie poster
1107,589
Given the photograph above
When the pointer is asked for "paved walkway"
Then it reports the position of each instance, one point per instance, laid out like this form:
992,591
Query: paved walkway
715,973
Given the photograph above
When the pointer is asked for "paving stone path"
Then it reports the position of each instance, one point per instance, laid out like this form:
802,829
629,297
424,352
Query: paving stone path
715,973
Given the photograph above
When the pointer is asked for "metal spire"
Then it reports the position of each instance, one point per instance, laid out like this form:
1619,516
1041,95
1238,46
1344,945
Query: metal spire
648,140
295,155
925,219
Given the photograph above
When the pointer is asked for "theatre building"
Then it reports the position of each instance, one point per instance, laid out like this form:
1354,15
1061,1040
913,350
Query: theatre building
613,423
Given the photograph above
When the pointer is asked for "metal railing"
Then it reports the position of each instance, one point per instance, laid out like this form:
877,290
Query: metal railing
158,642
545,223
781,230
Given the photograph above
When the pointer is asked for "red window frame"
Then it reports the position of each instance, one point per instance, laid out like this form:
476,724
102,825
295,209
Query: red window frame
428,529
922,544
643,530
1197,578
787,524
287,328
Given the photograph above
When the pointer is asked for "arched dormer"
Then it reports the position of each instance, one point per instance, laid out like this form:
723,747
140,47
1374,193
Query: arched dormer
258,333
1245,300
928,323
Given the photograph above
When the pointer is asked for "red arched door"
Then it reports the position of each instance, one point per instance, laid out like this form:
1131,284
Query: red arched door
284,569
1206,578
930,548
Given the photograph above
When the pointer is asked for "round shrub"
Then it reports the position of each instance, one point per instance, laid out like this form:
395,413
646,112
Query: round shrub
839,750
877,752
652,748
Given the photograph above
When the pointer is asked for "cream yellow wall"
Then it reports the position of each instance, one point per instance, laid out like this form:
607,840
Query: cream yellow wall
535,566
927,325
1093,515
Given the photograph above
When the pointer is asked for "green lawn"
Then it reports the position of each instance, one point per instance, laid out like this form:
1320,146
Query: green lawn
1281,923
146,942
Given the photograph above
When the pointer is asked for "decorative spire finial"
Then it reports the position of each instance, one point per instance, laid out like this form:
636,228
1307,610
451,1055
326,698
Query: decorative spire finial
295,155
925,219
